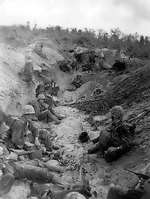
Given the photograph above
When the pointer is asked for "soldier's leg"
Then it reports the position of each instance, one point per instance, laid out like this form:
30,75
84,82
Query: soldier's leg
56,114
95,149
43,116
45,138
51,116
102,144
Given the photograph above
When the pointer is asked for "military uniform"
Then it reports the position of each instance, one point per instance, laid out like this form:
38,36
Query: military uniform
19,128
28,72
120,136
116,139
22,130
77,82
44,112
40,89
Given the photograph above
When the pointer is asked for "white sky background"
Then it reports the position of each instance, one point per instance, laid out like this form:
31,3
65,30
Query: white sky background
129,15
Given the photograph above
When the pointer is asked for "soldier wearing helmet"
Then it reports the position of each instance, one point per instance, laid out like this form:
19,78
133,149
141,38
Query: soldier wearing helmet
46,89
40,89
44,111
117,113
115,140
23,132
76,83
20,126
28,72
37,136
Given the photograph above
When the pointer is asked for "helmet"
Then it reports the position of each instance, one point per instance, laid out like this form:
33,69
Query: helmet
3,128
117,111
74,195
29,110
78,76
41,85
41,97
47,81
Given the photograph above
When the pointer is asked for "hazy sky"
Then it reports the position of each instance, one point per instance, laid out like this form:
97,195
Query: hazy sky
129,15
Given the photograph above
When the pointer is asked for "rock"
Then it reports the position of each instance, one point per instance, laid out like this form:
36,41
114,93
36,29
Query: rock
67,97
19,190
53,165
12,156
53,162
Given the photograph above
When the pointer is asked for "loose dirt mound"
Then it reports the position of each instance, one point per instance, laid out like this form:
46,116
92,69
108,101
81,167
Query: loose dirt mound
132,89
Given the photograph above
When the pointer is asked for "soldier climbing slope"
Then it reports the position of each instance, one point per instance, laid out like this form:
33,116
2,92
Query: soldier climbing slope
27,73
77,82
47,92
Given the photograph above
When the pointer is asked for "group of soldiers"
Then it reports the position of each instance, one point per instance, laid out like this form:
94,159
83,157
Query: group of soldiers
112,143
85,60
21,133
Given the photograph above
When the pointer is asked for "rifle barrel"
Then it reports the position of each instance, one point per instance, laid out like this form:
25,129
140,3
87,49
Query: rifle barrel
140,175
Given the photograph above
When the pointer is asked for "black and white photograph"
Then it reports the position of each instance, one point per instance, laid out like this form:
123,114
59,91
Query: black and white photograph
74,99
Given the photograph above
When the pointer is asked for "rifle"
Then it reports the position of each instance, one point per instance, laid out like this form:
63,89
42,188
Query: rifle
138,117
140,175
80,102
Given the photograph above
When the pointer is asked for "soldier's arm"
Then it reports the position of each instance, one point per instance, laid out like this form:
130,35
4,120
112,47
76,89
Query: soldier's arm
34,130
125,136
16,133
